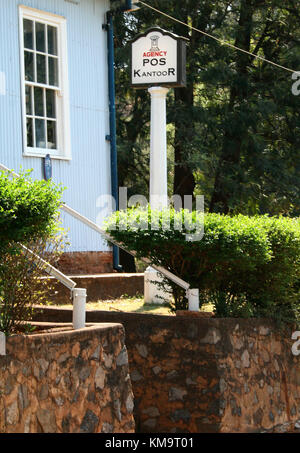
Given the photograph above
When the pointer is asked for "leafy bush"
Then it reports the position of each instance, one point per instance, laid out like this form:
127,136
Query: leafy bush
28,220
244,266
23,283
28,208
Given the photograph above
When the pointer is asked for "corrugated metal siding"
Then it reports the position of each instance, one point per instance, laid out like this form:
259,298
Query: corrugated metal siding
87,175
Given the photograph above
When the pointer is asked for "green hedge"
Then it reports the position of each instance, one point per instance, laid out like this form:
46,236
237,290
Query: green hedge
29,212
244,266
28,208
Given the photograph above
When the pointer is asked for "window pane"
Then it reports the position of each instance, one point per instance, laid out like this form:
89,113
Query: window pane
41,68
38,102
53,71
50,103
40,37
51,134
52,40
28,97
29,68
28,33
29,133
40,134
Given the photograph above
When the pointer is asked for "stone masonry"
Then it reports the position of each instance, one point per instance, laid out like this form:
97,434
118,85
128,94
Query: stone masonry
205,374
67,382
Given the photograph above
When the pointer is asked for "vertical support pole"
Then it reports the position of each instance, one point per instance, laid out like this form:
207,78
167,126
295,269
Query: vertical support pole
158,148
193,298
158,190
79,307
2,343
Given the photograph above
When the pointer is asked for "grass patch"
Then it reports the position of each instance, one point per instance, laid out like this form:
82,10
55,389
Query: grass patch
136,304
127,304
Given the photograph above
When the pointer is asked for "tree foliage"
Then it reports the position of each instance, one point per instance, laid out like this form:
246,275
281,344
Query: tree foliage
236,134
28,208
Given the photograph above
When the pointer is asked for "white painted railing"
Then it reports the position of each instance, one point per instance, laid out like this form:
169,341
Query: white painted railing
192,294
66,281
78,295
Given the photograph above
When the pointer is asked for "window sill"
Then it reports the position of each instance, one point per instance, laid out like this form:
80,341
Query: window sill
53,156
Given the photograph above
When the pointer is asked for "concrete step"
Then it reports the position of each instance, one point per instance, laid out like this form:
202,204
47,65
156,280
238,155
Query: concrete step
98,286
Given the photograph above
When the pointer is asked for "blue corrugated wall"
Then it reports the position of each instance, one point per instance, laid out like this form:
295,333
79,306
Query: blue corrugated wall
87,175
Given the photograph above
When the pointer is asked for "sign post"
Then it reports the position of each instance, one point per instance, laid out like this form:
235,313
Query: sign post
158,190
158,62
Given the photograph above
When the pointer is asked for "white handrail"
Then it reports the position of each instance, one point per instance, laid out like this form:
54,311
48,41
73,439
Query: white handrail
70,284
96,228
2,167
49,268
78,295
191,294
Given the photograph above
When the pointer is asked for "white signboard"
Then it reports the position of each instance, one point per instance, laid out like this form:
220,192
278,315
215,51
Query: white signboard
158,58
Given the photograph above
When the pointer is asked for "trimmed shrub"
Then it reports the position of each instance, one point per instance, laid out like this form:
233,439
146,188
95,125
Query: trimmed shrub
29,219
244,266
28,208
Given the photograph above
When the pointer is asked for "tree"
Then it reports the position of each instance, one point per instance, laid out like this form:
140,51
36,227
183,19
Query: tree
256,151
236,124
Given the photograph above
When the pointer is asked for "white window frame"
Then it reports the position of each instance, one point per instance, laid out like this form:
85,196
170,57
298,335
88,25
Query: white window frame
63,150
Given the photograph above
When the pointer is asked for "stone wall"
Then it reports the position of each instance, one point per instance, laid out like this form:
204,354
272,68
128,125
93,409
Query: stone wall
259,377
66,381
207,375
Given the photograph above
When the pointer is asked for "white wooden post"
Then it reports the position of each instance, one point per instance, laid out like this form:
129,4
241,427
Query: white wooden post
193,298
158,179
79,307
2,343
158,148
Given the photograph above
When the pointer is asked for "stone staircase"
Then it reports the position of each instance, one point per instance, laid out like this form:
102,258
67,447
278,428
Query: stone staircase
98,286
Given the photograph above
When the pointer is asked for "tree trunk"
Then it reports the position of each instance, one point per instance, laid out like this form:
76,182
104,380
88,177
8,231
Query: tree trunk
227,179
184,182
